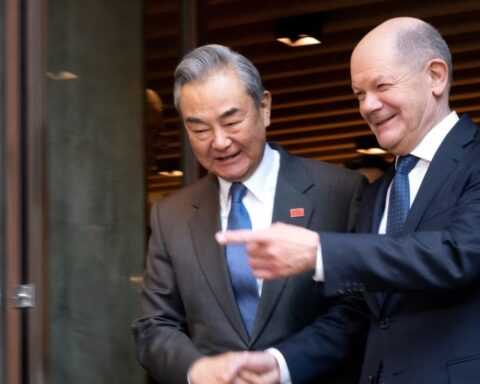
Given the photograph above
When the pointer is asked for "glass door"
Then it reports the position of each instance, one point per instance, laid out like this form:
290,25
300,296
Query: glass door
72,222
95,177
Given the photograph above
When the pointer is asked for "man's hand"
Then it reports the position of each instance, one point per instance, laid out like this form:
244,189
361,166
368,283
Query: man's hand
213,369
235,368
279,251
254,368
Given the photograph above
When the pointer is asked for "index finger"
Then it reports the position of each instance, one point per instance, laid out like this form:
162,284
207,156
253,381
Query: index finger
239,236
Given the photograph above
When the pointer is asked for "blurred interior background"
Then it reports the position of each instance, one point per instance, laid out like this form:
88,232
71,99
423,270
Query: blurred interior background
89,138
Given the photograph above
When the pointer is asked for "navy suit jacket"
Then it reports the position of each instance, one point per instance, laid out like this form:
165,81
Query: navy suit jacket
422,287
189,309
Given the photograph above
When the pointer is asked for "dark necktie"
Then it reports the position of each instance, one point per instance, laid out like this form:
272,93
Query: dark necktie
243,281
398,208
399,203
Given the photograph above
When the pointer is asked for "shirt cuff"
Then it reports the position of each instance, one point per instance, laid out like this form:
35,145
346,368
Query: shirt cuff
282,366
319,272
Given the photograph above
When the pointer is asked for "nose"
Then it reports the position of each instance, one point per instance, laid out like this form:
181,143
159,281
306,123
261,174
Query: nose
221,140
370,103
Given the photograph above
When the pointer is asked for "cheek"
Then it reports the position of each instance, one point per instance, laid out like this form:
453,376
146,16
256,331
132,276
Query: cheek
256,145
411,116
250,138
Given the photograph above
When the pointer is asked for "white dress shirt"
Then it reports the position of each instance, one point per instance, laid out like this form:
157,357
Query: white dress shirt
260,194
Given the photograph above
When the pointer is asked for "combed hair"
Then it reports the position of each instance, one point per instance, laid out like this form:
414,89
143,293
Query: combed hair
198,64
422,43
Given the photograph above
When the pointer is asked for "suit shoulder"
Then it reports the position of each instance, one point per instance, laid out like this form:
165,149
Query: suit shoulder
186,196
328,172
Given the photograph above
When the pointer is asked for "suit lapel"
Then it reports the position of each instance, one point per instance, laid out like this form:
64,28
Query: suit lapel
443,164
293,181
203,226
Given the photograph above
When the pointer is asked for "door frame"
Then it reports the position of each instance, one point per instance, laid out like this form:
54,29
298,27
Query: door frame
23,186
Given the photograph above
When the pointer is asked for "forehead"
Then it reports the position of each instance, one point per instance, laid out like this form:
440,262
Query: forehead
222,81
218,92
374,63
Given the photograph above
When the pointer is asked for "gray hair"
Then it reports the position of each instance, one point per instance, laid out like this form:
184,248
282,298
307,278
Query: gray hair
422,43
203,61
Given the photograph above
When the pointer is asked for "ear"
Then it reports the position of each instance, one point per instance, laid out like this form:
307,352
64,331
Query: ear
437,71
265,107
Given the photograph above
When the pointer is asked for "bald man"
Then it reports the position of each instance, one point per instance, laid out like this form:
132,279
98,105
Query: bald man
416,255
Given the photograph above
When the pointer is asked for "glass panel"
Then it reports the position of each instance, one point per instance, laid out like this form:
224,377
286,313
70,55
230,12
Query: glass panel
96,188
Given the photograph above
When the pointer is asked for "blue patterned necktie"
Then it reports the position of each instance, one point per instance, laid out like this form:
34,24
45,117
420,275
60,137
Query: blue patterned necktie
398,208
243,281
399,204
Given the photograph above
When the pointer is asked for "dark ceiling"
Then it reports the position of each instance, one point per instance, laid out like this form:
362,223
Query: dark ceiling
314,111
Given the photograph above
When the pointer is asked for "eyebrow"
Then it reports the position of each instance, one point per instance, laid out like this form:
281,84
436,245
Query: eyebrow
193,120
229,112
373,80
384,78
196,120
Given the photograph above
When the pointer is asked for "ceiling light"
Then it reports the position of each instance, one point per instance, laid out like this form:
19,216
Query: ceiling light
174,173
62,75
368,145
301,40
300,30
169,167
372,151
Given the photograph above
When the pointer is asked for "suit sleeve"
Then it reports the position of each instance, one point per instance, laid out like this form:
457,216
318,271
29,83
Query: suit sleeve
442,255
163,345
335,341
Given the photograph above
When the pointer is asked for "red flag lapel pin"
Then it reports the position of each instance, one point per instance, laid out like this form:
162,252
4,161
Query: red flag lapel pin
297,212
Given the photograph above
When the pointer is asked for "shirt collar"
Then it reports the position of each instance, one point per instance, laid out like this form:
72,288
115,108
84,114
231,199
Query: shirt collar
429,145
262,180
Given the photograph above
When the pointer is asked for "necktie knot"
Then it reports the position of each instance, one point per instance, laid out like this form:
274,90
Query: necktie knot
405,164
400,194
237,191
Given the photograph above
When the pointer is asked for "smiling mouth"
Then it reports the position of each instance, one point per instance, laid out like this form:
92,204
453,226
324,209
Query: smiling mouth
226,158
383,121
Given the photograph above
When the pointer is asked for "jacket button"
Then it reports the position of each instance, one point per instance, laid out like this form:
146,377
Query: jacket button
341,291
371,379
385,323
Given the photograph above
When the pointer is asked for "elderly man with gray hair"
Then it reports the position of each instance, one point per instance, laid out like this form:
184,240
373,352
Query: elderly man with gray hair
200,299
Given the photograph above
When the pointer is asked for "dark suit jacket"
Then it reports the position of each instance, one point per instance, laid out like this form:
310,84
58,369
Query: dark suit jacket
189,309
426,328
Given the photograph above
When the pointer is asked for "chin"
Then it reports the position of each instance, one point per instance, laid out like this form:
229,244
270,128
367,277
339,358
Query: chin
231,177
388,140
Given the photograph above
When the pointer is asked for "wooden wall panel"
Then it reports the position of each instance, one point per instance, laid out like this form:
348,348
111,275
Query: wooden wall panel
314,111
